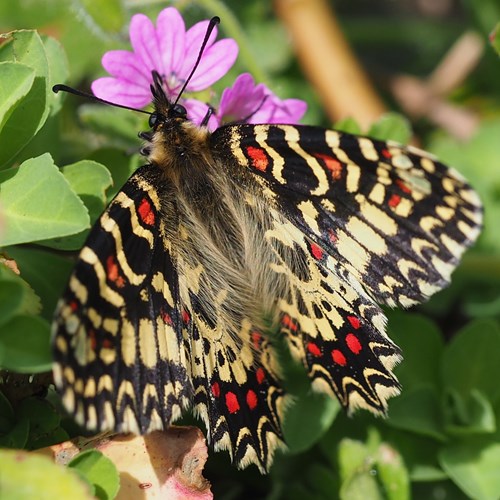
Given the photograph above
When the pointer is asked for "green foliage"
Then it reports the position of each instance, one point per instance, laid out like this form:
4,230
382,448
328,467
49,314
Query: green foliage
61,160
99,472
25,475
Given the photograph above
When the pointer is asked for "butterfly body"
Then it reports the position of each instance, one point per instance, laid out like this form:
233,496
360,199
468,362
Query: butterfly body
306,227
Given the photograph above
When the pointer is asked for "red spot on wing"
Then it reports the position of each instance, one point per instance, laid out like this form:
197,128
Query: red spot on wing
73,305
146,212
332,164
332,236
260,375
232,402
353,343
313,349
338,357
166,318
317,251
355,323
403,186
289,323
256,339
107,344
113,272
258,157
186,318
92,339
386,153
251,399
394,200
216,389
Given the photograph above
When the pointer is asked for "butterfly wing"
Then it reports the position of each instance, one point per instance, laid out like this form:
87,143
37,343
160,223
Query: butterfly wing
139,336
120,361
373,222
395,219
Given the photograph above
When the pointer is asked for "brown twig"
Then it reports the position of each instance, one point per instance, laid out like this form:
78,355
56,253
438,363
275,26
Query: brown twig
328,61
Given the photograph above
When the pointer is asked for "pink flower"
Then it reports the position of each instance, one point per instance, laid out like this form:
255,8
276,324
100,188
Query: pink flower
171,51
249,103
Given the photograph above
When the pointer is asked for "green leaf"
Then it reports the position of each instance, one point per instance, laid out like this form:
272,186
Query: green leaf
89,180
470,361
419,454
422,346
7,417
392,473
15,84
38,203
25,344
417,410
58,70
99,471
470,414
16,436
29,115
353,457
391,127
42,417
119,164
348,125
103,16
28,475
361,486
495,38
317,409
322,480
16,296
118,125
45,271
473,465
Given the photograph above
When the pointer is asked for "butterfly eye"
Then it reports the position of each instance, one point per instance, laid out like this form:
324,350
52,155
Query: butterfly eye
179,110
154,119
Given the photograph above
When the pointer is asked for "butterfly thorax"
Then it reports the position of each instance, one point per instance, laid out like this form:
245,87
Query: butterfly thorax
179,148
221,229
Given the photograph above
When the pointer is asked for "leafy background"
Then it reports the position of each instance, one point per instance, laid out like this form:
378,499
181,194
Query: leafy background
62,160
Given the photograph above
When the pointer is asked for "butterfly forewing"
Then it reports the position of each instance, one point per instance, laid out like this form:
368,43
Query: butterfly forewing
395,219
120,360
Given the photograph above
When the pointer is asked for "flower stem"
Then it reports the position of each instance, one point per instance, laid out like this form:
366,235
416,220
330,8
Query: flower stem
234,29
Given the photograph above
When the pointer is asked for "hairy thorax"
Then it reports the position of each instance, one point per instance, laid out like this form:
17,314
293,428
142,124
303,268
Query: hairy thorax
221,245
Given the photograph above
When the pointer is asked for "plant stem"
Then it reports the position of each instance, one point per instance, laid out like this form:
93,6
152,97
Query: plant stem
234,29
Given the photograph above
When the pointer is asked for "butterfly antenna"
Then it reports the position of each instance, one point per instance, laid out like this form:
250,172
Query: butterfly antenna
64,88
212,24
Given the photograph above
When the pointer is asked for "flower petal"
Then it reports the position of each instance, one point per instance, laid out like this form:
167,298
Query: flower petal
121,92
242,99
171,33
145,43
126,66
275,110
215,63
194,39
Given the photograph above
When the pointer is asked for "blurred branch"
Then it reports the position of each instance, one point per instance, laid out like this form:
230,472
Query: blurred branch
329,62
233,28
426,98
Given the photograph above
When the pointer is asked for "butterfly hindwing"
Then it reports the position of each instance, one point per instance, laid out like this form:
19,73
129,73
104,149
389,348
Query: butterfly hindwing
371,222
333,328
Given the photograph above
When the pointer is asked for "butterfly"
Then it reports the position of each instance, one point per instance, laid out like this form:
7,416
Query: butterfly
308,229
